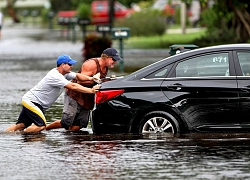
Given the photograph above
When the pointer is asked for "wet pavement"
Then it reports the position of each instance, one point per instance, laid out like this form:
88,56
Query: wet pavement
58,154
21,42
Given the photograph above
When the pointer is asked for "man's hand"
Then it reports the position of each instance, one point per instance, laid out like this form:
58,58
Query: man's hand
97,78
96,87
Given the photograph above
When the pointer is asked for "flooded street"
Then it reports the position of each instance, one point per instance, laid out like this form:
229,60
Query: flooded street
58,154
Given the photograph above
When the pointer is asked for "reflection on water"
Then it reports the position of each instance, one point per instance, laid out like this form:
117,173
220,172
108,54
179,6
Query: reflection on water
58,154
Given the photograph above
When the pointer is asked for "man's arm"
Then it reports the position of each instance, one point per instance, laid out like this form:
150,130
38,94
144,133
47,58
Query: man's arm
88,68
83,77
82,89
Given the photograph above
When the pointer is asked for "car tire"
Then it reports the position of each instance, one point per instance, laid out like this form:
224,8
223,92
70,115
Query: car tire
159,122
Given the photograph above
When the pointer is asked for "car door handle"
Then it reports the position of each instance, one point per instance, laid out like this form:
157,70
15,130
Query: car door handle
176,86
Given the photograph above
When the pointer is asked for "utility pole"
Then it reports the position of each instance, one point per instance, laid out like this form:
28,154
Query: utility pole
183,17
111,12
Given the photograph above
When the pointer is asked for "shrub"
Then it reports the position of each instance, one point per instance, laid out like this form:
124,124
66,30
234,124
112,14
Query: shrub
144,23
94,46
84,10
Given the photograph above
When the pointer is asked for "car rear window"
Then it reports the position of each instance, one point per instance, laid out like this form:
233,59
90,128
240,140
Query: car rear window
244,59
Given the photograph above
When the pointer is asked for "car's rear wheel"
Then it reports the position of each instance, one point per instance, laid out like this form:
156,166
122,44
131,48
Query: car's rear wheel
159,122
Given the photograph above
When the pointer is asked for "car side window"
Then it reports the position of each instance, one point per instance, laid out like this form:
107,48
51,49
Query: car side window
244,59
206,65
161,73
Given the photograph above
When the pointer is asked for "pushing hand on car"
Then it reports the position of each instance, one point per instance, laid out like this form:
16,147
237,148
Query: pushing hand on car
97,78
96,87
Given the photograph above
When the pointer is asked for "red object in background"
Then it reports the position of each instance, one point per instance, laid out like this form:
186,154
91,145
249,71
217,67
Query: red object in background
67,14
168,10
100,11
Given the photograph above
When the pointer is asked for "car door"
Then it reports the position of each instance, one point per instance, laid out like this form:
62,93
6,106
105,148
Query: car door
243,78
204,92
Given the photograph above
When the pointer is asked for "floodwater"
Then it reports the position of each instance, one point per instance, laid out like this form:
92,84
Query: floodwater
58,154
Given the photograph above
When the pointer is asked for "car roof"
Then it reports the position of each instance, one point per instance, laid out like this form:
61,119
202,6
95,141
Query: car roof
224,47
228,47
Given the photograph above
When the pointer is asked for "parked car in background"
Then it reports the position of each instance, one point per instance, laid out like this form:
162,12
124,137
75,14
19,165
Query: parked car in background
168,8
201,90
100,11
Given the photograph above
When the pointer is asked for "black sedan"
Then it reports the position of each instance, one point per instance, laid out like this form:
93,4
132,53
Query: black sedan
202,90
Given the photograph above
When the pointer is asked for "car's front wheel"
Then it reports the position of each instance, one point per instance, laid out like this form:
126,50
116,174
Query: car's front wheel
159,122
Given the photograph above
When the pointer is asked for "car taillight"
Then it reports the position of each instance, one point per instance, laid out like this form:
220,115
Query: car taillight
102,96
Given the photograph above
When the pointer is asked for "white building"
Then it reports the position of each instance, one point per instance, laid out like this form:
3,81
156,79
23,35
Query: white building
27,3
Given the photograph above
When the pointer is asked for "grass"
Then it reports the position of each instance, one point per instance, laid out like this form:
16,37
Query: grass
161,42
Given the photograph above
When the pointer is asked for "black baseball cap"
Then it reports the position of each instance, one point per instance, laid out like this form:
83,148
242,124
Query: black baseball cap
112,53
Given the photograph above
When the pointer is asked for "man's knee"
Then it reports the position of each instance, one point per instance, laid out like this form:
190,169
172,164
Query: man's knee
67,120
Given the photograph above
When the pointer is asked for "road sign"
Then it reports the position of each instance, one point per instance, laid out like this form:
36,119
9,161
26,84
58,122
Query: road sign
83,21
120,33
103,28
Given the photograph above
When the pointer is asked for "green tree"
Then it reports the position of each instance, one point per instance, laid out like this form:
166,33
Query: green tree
240,20
84,10
226,22
60,5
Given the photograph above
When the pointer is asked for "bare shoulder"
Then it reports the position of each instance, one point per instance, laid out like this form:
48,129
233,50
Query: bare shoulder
89,68
89,62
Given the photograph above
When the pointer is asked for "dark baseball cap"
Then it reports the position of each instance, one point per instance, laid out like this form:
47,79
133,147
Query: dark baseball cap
112,53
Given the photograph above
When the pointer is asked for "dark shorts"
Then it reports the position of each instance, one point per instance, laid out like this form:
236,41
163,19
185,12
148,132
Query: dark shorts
74,114
31,113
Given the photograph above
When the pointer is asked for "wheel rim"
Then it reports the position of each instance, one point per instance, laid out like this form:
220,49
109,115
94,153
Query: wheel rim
158,125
